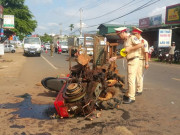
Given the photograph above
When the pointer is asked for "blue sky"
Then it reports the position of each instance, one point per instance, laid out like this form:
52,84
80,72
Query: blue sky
53,15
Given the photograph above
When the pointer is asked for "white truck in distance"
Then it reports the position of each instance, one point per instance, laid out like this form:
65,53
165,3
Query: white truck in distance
32,45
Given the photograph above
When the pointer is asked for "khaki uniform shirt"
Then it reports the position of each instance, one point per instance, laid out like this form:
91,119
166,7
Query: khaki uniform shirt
171,51
143,49
132,41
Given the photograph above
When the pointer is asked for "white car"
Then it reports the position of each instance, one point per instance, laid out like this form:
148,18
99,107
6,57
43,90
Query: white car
47,46
9,48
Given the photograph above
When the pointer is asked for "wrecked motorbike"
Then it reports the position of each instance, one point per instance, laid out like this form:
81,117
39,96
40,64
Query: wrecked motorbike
87,88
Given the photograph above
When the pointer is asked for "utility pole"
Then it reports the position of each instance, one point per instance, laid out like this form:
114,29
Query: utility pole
60,29
124,23
80,21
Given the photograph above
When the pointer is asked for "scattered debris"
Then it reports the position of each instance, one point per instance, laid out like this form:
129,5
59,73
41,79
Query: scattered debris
89,118
54,116
98,115
38,84
6,60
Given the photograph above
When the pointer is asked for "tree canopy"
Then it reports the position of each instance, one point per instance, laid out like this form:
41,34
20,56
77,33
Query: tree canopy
71,26
46,38
24,19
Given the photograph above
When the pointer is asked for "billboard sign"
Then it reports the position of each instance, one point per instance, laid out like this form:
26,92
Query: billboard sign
1,11
144,23
164,37
8,21
172,15
155,20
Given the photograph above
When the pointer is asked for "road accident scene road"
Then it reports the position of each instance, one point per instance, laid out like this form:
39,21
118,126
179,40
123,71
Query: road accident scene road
89,67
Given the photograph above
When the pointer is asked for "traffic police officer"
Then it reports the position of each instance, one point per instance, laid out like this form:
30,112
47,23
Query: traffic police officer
143,60
131,44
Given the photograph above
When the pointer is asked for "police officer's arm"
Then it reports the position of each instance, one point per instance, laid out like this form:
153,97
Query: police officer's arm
137,45
129,49
146,54
146,61
115,57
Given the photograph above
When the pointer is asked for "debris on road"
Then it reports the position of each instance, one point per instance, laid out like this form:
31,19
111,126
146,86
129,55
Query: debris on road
87,88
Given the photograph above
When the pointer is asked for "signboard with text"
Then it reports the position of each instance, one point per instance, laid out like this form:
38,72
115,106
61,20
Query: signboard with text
144,23
164,37
153,21
172,16
8,21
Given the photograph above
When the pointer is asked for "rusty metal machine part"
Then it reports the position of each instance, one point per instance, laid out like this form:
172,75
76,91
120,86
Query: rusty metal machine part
87,83
74,92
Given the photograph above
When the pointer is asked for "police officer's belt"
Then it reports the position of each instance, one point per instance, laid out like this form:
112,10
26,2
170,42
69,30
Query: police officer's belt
133,58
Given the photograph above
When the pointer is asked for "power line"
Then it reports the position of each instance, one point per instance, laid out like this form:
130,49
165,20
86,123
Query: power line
75,31
109,12
139,8
89,5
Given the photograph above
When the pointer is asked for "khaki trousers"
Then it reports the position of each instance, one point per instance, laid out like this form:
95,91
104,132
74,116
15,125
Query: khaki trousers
139,78
133,66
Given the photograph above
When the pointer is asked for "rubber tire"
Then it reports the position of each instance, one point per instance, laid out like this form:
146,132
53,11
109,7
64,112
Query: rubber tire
39,54
13,51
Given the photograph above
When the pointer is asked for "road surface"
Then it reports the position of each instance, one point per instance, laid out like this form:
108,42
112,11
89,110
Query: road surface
156,112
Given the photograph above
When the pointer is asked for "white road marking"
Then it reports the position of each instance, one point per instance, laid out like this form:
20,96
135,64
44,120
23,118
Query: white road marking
49,63
176,79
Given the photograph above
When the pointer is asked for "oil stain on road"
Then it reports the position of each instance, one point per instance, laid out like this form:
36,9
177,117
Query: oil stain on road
28,110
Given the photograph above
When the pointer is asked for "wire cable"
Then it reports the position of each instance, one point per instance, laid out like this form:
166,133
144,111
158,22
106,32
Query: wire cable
139,8
97,4
109,12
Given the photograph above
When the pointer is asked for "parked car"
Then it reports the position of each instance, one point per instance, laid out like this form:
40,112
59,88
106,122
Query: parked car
32,46
47,46
9,48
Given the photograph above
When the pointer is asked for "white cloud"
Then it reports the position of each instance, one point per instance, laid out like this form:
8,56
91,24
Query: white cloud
42,27
158,11
52,24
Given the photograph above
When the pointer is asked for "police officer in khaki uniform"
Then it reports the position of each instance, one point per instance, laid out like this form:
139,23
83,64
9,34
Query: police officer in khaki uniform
143,60
131,44
52,49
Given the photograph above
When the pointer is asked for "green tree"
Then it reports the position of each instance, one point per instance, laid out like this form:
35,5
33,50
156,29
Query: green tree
46,38
71,27
24,19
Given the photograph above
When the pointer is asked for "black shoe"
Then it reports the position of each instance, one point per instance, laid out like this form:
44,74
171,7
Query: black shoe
125,97
138,93
128,101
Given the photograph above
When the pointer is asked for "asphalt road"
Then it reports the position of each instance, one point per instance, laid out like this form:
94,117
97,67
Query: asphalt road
155,112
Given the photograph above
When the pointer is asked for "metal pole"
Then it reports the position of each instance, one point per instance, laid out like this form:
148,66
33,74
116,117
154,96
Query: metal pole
60,29
80,21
